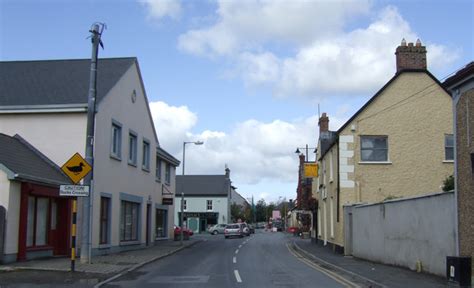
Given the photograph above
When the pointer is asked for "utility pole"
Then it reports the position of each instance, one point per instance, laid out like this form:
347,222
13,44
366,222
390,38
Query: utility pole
86,240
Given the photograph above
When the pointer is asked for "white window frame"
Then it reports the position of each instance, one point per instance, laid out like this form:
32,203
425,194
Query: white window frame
446,136
146,155
209,205
363,137
158,169
167,174
331,179
116,141
132,148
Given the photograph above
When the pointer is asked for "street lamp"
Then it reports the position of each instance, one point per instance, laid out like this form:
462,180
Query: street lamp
182,191
306,148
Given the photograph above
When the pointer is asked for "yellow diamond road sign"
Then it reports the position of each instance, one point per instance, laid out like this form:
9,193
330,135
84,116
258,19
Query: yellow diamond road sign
76,168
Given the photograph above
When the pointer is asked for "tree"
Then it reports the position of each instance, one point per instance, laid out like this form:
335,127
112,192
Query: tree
448,183
235,212
261,210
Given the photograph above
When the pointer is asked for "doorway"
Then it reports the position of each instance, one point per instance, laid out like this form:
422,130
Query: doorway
148,224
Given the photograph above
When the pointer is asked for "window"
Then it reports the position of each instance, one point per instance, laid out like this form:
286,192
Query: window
158,169
168,174
146,155
116,147
104,220
209,205
132,149
129,221
330,167
160,223
37,221
331,214
449,147
185,205
374,148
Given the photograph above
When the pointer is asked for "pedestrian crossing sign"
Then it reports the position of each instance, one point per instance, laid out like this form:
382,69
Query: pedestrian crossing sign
76,168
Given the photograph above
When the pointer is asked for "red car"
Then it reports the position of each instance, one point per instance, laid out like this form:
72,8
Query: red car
186,233
292,230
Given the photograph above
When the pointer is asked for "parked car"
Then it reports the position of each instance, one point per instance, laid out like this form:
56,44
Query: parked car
217,229
233,230
293,230
252,229
186,233
245,229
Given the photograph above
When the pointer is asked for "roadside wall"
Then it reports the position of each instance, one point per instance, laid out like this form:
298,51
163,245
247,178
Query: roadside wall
403,231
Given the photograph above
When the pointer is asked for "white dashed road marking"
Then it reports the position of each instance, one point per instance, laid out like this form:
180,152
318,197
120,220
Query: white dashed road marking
237,251
237,276
234,260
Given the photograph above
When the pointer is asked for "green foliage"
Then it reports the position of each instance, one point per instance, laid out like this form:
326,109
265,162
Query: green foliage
390,197
448,183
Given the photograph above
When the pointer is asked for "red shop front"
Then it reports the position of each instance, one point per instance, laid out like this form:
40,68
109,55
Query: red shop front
45,219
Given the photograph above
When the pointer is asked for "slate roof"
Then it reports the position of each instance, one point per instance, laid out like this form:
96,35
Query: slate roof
460,75
327,142
56,82
202,185
28,164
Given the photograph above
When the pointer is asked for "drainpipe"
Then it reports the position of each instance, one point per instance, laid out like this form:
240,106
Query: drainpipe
456,96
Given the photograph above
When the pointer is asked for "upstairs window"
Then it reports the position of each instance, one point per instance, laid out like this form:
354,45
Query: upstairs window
209,205
146,155
168,174
116,145
449,147
158,169
374,148
132,149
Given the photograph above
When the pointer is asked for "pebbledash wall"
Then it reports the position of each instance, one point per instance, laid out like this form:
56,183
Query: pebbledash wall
403,231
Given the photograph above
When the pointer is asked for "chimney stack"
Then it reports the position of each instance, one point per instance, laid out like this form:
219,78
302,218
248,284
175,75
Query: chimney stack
323,124
411,56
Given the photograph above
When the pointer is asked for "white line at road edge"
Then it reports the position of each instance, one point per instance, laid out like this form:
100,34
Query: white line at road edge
237,251
237,276
234,260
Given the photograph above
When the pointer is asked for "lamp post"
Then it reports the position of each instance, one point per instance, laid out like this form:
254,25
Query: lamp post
182,191
306,148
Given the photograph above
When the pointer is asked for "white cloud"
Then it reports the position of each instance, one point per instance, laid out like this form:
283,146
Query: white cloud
172,124
159,9
244,25
325,57
253,150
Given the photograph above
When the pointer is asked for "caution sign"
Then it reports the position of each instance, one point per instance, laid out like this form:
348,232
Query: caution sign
310,170
76,168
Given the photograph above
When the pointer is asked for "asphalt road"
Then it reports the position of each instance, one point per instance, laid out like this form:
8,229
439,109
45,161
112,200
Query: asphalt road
261,260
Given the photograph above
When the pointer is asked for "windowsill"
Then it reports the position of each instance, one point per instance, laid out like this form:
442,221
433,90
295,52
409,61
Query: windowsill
375,162
132,164
448,161
129,243
158,180
115,157
146,169
331,180
167,183
161,238
104,246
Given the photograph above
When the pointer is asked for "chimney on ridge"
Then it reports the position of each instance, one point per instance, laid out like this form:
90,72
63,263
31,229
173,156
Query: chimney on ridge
323,124
411,56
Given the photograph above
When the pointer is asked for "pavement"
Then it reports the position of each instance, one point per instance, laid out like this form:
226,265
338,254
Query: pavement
362,272
104,269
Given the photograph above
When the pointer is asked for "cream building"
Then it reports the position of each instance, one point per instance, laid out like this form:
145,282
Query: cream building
400,143
46,103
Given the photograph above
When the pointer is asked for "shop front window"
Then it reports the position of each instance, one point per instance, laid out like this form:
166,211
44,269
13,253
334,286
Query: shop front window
160,223
37,221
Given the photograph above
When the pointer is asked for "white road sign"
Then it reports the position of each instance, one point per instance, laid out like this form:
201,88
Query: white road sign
74,190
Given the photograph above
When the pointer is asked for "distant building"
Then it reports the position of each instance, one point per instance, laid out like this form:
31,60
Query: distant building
400,143
207,200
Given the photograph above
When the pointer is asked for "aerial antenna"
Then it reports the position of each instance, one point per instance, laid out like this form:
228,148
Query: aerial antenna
96,29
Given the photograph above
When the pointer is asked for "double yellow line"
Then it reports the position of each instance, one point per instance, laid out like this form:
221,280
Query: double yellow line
330,274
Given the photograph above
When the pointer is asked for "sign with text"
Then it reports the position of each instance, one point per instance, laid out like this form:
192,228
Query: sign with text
167,201
76,168
310,170
74,190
